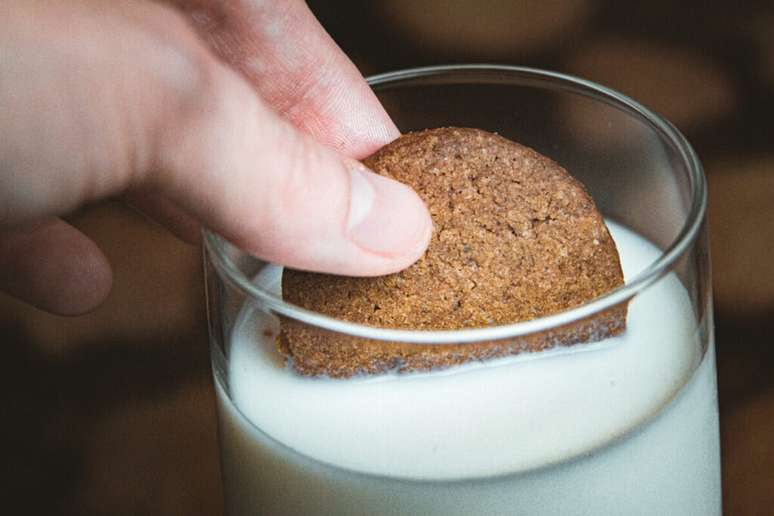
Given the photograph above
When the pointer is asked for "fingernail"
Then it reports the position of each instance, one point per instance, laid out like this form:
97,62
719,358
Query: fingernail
386,217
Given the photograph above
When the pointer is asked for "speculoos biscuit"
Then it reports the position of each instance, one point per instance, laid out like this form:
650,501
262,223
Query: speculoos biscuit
515,238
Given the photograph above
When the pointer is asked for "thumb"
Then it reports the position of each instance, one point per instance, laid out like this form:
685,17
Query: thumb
249,175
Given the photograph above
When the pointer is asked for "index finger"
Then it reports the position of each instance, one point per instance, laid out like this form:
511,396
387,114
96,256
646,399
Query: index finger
297,68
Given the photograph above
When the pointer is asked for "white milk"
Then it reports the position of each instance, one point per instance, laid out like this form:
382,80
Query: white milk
605,431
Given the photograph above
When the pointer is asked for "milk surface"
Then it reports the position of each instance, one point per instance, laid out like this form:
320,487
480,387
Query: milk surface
609,428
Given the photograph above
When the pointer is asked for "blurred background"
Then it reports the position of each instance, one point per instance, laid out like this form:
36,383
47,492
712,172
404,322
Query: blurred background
113,412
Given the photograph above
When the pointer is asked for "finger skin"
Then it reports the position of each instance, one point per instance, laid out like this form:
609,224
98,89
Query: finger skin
81,108
297,68
53,266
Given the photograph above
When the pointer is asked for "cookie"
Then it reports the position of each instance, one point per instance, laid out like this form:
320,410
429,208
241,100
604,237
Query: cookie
515,238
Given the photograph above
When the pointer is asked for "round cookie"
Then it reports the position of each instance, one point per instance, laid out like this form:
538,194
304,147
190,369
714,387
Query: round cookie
515,238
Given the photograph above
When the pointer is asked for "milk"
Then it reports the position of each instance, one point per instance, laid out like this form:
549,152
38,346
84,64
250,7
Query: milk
627,426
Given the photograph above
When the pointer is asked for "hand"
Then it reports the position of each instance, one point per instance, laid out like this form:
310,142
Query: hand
243,116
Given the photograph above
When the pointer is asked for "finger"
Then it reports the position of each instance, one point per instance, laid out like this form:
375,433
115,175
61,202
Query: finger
53,266
297,68
311,82
282,196
140,102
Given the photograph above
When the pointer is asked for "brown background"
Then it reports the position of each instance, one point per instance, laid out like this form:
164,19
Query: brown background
112,413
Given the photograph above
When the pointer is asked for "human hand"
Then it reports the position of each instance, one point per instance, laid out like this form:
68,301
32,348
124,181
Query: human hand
242,116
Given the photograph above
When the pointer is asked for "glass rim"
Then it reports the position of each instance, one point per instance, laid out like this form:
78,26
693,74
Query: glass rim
214,244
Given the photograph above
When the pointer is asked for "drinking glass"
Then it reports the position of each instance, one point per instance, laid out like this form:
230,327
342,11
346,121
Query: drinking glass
628,425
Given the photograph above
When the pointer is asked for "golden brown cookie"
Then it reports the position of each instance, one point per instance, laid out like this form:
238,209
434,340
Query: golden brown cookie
515,238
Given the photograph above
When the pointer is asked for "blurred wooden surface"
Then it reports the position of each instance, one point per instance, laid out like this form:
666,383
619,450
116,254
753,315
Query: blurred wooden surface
113,413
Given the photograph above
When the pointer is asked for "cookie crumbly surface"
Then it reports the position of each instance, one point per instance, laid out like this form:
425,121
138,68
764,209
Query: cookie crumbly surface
515,238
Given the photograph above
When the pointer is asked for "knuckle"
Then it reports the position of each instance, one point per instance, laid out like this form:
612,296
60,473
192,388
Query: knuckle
294,180
184,65
186,80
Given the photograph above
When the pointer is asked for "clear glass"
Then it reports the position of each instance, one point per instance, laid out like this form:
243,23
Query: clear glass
626,426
